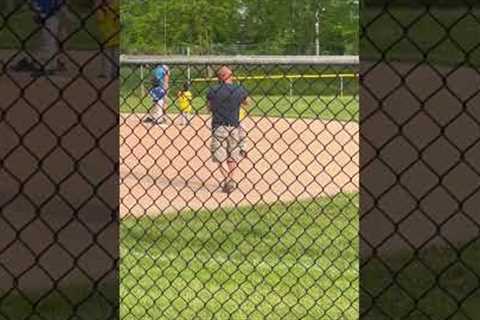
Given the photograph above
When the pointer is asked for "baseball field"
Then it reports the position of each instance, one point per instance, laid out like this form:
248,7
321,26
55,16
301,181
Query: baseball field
283,241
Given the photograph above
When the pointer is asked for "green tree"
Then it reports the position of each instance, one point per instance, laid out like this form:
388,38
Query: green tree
238,26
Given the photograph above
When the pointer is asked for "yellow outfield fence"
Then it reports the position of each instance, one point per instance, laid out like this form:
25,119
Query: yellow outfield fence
340,76
297,76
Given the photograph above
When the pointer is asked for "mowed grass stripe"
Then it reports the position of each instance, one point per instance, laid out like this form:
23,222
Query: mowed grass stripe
296,260
306,107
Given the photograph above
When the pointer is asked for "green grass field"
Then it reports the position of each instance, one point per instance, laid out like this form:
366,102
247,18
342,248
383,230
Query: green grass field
288,261
284,261
308,107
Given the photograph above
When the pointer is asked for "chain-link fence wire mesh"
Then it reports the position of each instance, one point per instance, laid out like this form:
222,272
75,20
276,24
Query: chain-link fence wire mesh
59,160
282,244
419,165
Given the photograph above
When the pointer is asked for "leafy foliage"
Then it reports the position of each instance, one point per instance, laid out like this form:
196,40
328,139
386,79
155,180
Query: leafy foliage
239,26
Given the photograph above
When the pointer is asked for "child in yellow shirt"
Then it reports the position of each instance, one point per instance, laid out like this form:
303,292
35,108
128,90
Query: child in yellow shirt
107,14
184,97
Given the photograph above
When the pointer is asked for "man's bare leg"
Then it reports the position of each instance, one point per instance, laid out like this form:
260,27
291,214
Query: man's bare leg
224,173
232,165
229,184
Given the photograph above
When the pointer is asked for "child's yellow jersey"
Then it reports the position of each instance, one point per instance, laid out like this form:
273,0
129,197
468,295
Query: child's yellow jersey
185,101
243,114
108,23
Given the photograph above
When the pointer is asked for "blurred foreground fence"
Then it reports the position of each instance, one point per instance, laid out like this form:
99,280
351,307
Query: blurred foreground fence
420,228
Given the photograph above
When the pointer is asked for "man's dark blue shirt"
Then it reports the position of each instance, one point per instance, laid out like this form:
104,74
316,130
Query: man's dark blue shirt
225,101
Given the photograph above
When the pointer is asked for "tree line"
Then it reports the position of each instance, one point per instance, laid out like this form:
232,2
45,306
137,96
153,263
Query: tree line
239,26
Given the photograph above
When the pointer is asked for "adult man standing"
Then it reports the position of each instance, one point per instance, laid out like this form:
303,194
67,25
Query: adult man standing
224,101
160,81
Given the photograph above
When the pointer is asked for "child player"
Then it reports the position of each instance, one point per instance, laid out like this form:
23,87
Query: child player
185,105
106,12
160,82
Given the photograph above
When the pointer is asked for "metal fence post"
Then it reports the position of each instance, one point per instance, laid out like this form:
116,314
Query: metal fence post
142,84
341,86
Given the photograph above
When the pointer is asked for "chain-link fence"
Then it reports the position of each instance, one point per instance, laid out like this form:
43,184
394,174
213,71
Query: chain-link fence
272,235
58,159
419,224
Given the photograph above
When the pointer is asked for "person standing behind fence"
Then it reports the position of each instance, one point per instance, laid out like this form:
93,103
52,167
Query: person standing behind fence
185,105
48,15
107,12
224,102
160,84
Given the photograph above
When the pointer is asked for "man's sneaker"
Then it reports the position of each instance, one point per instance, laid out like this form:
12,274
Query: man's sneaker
24,65
43,72
39,72
183,123
243,154
228,186
160,122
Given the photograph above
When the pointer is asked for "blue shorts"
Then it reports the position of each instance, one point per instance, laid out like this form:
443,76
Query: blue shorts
157,93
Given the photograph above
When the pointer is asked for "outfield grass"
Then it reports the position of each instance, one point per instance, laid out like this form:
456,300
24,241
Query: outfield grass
278,261
286,261
309,107
440,36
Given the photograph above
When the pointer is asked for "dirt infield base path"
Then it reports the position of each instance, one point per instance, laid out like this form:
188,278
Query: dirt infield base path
169,169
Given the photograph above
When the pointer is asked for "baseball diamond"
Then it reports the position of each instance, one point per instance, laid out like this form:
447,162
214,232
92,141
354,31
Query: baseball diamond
167,170
285,234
